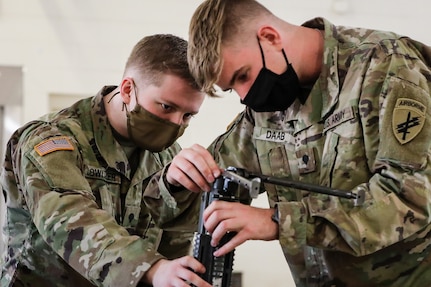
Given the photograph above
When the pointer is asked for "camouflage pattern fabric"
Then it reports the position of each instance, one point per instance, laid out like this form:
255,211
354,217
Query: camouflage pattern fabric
365,125
75,214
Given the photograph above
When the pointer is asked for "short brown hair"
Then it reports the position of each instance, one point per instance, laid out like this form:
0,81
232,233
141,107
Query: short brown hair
156,55
215,22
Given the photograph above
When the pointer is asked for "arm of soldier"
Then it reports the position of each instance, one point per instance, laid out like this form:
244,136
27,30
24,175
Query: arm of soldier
171,207
401,180
196,169
68,218
397,200
398,196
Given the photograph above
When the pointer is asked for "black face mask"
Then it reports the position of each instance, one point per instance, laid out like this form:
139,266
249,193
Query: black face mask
271,92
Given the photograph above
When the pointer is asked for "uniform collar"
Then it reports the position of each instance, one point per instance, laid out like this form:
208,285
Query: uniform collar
324,93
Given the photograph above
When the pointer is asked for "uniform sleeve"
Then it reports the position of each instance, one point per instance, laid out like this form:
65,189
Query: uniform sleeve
395,113
66,215
172,208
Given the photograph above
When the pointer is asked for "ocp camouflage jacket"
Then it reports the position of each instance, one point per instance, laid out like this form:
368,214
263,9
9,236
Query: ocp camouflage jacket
75,214
366,125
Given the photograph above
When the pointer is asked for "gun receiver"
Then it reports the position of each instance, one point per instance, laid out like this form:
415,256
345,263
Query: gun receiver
226,187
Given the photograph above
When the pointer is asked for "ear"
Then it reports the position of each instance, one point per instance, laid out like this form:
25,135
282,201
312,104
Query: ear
269,35
126,89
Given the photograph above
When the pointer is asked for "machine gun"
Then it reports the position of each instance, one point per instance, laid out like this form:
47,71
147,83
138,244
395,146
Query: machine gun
226,187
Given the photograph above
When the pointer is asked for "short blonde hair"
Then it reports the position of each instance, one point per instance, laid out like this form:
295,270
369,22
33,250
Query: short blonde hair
217,22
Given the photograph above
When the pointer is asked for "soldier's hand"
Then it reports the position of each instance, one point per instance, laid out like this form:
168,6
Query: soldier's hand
249,223
193,168
176,273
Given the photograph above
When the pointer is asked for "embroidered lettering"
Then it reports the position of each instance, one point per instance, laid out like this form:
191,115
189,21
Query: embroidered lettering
272,135
408,119
103,174
275,135
339,117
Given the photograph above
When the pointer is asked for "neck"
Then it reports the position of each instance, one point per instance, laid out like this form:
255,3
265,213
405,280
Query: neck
309,51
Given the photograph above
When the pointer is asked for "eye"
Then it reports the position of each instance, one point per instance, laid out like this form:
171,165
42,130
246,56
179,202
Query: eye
166,107
188,116
242,78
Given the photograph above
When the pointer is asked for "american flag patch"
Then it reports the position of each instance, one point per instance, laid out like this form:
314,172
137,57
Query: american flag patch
53,144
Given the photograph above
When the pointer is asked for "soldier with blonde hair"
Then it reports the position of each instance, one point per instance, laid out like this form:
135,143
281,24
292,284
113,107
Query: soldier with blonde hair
335,106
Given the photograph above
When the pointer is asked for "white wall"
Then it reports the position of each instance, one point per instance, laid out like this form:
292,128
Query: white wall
77,46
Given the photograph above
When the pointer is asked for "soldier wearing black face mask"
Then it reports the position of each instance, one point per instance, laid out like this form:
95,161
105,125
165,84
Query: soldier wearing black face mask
360,120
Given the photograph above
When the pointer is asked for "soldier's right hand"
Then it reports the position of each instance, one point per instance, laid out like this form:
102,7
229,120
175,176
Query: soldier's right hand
176,273
193,168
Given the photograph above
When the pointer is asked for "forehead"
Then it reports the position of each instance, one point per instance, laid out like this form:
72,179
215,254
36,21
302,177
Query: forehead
174,90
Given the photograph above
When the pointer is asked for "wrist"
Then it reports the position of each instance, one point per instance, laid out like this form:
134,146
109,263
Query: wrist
171,188
275,215
275,218
148,277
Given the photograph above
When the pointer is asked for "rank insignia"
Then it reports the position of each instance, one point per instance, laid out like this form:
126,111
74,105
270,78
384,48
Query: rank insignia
408,119
53,144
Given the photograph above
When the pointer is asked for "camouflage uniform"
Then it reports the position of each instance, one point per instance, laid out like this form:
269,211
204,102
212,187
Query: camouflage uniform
365,125
75,215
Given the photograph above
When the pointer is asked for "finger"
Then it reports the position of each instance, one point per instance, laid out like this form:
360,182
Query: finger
198,281
192,263
178,282
197,164
217,211
189,276
224,227
234,242
212,165
210,209
183,172
203,162
216,223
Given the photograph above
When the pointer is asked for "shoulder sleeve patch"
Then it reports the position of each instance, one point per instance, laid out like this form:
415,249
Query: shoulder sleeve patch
53,144
408,119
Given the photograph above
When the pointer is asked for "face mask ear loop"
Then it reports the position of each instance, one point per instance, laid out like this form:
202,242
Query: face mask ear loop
285,57
110,99
261,52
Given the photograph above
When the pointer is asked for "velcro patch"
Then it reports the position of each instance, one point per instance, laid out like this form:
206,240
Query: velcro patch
273,135
53,144
408,119
339,117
